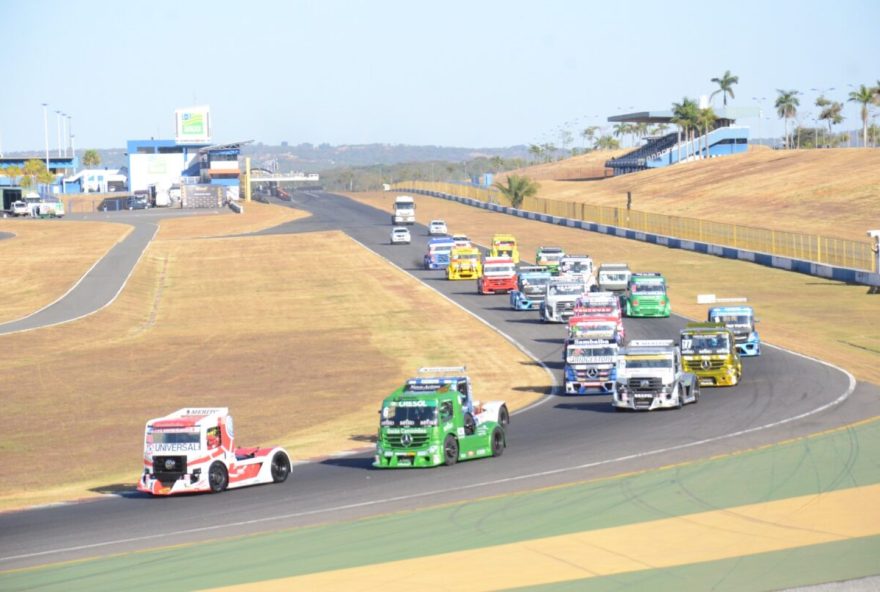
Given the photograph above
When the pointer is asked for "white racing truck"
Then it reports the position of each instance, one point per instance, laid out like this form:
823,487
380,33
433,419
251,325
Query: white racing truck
579,267
613,277
590,367
432,378
650,376
560,295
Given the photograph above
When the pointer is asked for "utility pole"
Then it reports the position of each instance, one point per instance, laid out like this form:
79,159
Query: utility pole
58,129
46,131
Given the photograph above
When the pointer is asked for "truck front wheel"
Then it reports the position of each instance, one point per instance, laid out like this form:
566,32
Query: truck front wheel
450,450
280,467
218,477
504,416
497,442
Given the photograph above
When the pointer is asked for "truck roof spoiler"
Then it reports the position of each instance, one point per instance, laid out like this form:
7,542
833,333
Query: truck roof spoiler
651,343
443,370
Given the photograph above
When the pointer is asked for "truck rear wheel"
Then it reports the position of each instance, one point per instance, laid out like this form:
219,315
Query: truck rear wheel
450,450
497,442
280,467
218,477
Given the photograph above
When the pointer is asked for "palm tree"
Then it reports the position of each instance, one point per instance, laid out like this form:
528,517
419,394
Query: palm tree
865,96
91,158
13,172
786,108
517,189
685,115
607,142
830,112
535,150
589,133
725,86
706,121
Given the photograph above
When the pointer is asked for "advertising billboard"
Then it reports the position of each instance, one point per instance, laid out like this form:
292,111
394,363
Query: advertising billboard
192,125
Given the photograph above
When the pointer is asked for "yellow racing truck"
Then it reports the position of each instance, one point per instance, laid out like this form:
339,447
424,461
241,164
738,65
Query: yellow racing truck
708,350
464,264
504,245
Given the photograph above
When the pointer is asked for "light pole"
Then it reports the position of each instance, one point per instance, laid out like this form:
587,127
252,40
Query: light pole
73,152
760,101
46,131
58,130
64,134
70,134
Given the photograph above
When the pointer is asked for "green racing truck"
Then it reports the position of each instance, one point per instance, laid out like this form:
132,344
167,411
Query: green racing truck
645,296
427,427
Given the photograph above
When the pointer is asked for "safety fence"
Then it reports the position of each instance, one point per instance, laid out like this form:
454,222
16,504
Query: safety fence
823,250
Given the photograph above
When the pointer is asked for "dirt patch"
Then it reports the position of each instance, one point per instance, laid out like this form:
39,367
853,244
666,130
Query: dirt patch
235,322
829,320
46,258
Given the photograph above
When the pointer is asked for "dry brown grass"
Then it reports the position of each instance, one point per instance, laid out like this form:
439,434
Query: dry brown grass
256,216
46,258
825,319
585,166
829,192
234,322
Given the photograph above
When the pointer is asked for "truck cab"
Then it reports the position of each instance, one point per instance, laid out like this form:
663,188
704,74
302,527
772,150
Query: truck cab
560,295
708,350
464,264
741,321
437,256
429,422
504,245
499,275
650,376
530,289
645,296
578,267
590,367
613,277
404,210
549,257
193,450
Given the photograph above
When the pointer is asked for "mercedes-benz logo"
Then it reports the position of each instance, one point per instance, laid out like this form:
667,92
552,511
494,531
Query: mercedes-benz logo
406,439
645,383
592,372
169,464
705,364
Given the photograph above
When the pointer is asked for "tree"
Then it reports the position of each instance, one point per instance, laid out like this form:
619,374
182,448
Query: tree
607,142
13,172
549,151
830,112
517,189
865,96
34,172
621,129
706,121
536,150
725,86
91,158
786,108
685,115
589,134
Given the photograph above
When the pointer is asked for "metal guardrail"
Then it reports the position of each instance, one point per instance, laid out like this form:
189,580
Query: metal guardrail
835,252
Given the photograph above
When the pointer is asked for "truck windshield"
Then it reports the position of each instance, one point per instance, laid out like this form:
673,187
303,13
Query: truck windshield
533,282
502,270
734,320
705,343
566,289
577,354
576,266
650,363
174,436
409,416
612,277
651,288
471,256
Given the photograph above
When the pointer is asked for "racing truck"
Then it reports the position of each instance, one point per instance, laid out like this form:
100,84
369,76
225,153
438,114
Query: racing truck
433,420
650,376
594,328
504,245
579,267
499,275
645,296
437,256
549,257
590,367
741,321
530,289
192,450
560,295
613,277
403,211
464,264
605,305
708,351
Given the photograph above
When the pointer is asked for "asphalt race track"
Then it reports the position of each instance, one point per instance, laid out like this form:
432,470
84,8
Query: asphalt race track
559,440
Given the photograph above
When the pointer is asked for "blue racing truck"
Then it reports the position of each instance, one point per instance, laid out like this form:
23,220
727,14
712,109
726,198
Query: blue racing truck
741,321
530,291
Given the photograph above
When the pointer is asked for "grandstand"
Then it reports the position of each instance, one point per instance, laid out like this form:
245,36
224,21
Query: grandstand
723,139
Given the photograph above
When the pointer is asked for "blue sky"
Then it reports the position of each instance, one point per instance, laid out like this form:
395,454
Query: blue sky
455,73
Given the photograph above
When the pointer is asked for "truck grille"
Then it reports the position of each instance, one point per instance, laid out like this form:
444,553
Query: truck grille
396,440
644,385
704,365
643,401
593,374
564,308
168,469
